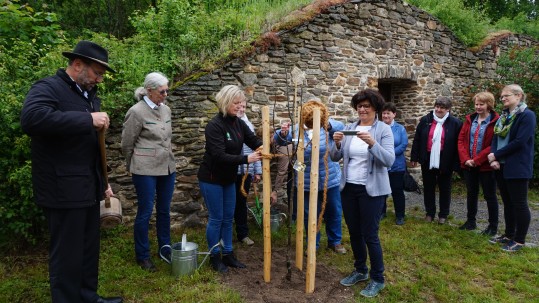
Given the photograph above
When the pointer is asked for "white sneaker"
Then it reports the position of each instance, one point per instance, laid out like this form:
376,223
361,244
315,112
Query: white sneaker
247,241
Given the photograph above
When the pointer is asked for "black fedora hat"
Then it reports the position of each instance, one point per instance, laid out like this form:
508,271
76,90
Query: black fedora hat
91,51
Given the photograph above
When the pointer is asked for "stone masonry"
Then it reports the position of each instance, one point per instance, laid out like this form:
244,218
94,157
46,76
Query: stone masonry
405,52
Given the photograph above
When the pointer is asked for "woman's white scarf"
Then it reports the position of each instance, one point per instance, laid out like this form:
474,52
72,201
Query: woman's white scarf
437,141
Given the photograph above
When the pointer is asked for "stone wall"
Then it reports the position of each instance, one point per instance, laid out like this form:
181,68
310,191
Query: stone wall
388,44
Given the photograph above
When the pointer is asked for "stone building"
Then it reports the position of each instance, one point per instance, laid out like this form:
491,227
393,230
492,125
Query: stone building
409,55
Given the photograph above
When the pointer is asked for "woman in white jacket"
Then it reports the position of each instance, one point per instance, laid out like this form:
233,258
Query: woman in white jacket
368,152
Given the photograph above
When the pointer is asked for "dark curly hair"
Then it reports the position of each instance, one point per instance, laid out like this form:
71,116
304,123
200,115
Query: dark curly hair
390,106
373,96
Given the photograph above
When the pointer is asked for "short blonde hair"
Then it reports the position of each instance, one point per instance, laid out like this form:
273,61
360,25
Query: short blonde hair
485,97
227,95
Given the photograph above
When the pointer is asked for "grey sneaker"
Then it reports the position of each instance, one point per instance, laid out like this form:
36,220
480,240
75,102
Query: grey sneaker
499,239
354,277
338,248
247,241
372,289
512,247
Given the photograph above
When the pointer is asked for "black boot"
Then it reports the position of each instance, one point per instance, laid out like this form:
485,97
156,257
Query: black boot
468,225
230,260
217,264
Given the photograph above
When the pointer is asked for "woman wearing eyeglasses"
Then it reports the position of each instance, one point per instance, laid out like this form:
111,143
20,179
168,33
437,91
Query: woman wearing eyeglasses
368,152
511,157
147,148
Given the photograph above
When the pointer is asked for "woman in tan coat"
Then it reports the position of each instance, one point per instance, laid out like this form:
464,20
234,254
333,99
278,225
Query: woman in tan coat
146,145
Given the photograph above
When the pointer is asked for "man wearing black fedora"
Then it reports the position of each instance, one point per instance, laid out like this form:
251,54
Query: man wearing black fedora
62,116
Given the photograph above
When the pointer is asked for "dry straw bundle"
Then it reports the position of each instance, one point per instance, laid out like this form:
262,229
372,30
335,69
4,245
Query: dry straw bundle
307,113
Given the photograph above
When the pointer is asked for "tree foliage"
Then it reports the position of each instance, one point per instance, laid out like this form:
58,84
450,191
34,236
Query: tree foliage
469,25
472,20
100,16
498,9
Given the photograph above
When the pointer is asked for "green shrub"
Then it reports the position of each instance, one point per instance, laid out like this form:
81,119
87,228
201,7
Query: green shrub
468,24
25,56
520,24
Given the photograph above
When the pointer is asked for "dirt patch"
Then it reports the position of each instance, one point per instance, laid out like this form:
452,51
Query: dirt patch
250,283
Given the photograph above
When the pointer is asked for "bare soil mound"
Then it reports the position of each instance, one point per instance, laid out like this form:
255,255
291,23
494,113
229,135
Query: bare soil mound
250,283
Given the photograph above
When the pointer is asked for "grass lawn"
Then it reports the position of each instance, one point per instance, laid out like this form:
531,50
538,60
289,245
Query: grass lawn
424,262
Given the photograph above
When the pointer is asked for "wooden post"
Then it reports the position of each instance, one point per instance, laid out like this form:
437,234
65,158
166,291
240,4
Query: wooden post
103,151
313,202
266,186
300,215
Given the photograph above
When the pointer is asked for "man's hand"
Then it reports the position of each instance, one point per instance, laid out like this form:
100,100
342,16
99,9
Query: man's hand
273,197
108,192
100,120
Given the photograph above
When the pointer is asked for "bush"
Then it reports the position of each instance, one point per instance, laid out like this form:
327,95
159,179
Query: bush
25,56
520,24
468,24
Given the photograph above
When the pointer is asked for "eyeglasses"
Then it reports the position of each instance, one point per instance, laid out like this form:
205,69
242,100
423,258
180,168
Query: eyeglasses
98,74
163,92
365,106
505,96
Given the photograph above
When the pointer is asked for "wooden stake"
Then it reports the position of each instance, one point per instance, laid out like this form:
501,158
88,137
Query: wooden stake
103,151
313,202
266,186
300,215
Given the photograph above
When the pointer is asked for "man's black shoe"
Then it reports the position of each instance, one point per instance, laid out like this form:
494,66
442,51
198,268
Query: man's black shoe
147,265
110,300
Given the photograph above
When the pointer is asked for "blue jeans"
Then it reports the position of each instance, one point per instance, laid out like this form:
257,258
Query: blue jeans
332,215
220,201
362,215
147,187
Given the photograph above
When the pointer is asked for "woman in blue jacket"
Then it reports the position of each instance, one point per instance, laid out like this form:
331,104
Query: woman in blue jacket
512,158
396,172
333,210
367,155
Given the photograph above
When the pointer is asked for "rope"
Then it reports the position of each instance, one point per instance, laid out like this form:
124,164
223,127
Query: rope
242,188
307,111
326,178
264,156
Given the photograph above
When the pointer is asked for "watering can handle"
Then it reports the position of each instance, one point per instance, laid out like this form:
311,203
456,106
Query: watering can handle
161,255
207,254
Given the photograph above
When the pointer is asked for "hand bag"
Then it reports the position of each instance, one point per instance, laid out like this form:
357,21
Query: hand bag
410,184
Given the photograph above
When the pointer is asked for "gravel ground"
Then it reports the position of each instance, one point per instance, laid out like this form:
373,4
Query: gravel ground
457,216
